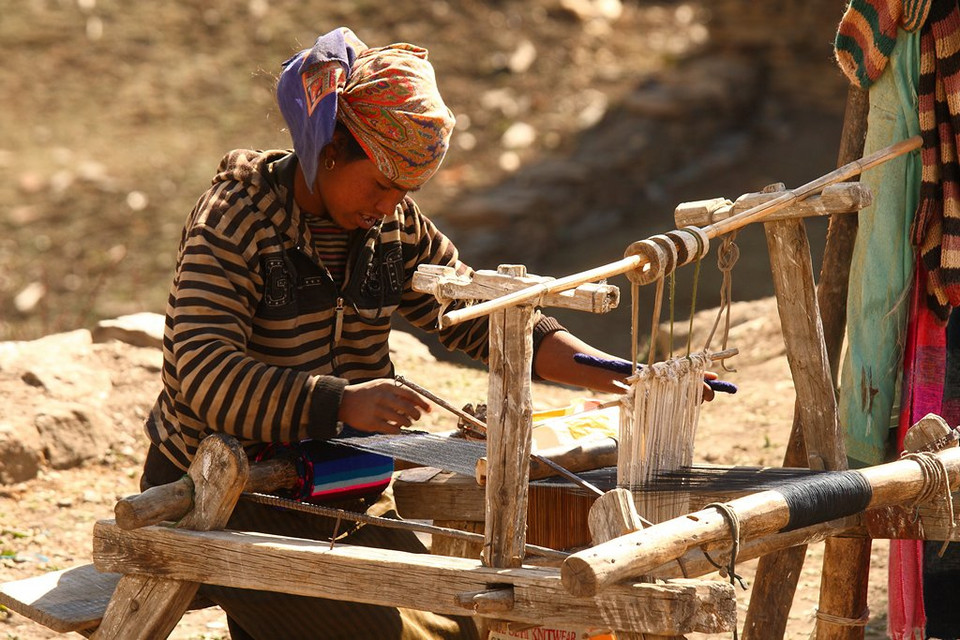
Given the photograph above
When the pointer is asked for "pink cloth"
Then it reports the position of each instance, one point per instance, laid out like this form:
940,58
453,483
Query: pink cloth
924,362
905,615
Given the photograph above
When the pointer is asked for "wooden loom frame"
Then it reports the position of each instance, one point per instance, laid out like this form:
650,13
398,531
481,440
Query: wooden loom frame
162,567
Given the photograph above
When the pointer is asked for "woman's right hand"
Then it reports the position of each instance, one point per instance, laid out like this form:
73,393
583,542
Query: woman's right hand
381,406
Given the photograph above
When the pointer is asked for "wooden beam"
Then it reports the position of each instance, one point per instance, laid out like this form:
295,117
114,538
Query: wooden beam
588,572
904,522
445,283
432,494
837,199
418,581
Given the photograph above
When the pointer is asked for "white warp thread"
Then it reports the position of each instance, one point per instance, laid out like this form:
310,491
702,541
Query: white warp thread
658,422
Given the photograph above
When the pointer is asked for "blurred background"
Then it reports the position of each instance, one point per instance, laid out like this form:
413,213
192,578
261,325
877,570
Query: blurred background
581,125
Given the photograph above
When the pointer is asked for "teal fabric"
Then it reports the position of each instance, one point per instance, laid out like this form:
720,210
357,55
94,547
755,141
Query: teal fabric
882,265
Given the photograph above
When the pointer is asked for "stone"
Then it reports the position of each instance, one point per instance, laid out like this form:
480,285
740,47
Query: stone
139,329
71,434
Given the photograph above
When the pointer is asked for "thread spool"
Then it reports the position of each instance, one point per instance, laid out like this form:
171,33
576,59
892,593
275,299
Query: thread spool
695,243
665,252
669,248
656,259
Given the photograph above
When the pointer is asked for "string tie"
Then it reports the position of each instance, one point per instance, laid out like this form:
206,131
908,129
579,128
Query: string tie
844,622
936,487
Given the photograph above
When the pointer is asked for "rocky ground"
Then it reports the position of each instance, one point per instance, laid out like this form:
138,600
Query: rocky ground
581,124
100,392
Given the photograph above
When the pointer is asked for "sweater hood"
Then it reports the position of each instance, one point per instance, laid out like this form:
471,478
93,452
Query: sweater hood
246,167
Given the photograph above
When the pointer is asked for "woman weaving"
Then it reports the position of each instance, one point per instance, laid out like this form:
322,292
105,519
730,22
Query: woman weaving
289,269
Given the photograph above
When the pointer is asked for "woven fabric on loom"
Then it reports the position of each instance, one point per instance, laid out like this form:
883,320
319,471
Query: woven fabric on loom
658,421
444,452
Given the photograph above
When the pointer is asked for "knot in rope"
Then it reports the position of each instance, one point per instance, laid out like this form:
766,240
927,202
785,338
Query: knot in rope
729,571
936,486
727,255
844,622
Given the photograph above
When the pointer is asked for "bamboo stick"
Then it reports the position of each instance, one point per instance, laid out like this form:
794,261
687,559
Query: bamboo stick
720,228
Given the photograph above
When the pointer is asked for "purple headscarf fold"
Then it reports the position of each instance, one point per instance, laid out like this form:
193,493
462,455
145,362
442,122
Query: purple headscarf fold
307,94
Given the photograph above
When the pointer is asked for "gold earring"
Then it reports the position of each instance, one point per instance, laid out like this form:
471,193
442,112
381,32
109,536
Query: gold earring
329,164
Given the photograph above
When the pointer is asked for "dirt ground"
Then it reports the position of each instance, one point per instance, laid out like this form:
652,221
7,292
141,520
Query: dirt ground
101,166
47,522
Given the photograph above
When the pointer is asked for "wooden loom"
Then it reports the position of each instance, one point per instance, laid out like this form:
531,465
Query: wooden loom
152,586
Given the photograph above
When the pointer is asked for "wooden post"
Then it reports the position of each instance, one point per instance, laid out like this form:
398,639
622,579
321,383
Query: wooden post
846,561
803,337
509,434
149,608
777,574
509,431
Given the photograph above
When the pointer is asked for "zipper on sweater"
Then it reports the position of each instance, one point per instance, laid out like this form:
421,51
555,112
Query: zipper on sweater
338,322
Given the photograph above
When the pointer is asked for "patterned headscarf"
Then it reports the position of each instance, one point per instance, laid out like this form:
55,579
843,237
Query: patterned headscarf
387,97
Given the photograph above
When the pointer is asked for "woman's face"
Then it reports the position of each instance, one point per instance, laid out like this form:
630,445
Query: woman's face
356,195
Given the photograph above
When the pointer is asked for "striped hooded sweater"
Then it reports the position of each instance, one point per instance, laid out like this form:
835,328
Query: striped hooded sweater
259,341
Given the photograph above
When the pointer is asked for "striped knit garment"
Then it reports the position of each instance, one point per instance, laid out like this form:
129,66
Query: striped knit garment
936,228
868,31
249,344
330,241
